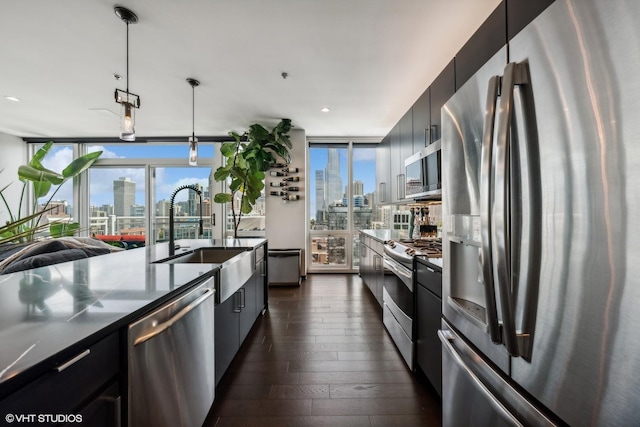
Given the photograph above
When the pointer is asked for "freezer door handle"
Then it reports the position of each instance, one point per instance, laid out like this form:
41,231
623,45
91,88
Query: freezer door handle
486,261
501,236
446,337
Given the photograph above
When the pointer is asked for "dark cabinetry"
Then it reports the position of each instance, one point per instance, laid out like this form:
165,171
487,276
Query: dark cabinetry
521,12
227,338
485,42
428,315
84,383
235,316
371,265
422,121
383,170
442,88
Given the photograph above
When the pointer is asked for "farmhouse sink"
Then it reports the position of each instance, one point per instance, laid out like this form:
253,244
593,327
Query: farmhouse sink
237,265
205,255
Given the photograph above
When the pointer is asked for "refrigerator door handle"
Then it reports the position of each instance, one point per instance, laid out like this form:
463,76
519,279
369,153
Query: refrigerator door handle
514,74
446,337
486,261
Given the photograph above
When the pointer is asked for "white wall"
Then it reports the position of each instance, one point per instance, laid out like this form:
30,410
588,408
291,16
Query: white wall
286,222
13,153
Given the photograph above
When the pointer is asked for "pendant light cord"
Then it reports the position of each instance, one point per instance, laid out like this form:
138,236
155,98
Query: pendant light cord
127,61
193,112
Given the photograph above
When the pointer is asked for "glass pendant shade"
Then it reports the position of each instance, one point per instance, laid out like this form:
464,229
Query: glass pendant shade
127,122
193,151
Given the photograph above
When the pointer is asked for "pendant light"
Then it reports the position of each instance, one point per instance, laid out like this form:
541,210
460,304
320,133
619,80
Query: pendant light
128,101
193,141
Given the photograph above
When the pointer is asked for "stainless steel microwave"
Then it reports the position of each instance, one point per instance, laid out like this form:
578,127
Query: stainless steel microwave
422,172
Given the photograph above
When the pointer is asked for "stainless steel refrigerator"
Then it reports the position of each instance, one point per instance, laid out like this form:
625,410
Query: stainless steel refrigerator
541,211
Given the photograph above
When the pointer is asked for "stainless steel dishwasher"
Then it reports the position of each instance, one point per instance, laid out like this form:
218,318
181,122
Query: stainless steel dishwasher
172,362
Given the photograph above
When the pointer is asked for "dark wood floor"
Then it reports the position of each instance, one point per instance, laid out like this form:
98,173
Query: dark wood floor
321,357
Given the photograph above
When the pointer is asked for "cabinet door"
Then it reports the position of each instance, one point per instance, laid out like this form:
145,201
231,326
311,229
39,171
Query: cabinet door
248,306
383,170
261,284
428,347
521,12
422,121
406,139
442,88
377,277
396,157
227,327
489,39
104,410
65,388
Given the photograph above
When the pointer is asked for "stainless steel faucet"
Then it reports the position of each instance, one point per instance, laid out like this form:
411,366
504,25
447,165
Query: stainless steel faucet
172,248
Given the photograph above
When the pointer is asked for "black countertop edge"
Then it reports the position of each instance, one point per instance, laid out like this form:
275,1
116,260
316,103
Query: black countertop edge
11,385
435,263
140,257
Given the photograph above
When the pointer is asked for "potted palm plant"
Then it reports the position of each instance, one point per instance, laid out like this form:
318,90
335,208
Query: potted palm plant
247,158
21,229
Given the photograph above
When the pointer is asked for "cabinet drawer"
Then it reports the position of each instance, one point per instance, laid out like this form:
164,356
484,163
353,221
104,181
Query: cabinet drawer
430,278
70,384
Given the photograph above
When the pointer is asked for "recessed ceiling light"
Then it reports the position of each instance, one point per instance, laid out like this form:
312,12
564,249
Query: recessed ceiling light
325,109
12,98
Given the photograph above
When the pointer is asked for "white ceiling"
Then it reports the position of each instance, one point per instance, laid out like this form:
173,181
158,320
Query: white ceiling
368,60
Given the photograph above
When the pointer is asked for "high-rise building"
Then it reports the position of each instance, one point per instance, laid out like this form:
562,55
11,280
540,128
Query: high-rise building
124,196
194,202
321,205
358,188
333,178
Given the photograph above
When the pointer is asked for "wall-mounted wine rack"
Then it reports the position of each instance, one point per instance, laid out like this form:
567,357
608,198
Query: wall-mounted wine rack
286,183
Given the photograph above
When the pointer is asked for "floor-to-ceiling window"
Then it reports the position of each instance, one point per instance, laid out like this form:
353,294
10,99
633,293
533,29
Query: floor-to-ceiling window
126,194
342,200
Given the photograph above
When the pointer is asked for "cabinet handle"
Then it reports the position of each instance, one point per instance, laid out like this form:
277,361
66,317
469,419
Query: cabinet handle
72,361
237,308
213,220
433,133
243,300
117,409
263,268
381,196
400,184
427,136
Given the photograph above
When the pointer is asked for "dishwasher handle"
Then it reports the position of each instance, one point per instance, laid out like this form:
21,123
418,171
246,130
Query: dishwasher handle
157,330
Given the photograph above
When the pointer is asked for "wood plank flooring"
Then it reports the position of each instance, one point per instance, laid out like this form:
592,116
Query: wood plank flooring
321,357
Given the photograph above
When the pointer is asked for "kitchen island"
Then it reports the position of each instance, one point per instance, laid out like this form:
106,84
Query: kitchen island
78,311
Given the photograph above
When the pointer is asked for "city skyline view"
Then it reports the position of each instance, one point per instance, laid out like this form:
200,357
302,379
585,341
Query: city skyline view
170,178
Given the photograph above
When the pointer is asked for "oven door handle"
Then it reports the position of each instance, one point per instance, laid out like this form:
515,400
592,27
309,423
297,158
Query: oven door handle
404,274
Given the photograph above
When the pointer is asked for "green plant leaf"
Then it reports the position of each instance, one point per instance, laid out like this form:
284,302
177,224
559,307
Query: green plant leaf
228,149
59,229
222,198
80,164
29,173
36,160
41,189
221,173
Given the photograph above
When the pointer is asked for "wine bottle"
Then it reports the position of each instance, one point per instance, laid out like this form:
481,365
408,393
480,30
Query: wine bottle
277,173
291,197
291,178
278,193
278,165
290,170
293,188
278,184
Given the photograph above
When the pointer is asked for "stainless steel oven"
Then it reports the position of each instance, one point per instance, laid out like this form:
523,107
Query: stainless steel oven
398,299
